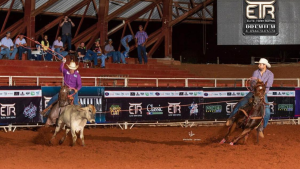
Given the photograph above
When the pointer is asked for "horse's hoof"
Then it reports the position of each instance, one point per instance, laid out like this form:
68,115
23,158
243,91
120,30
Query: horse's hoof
231,143
222,141
60,142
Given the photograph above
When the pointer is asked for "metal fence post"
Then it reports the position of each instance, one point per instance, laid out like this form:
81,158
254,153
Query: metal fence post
243,82
10,80
186,82
298,82
95,81
125,82
156,82
37,81
215,82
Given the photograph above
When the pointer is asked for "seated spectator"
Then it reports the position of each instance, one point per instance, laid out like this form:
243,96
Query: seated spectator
96,52
109,50
22,47
45,44
124,41
7,47
58,48
81,50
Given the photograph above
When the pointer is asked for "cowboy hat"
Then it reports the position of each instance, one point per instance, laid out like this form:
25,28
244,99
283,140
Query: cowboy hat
72,65
264,61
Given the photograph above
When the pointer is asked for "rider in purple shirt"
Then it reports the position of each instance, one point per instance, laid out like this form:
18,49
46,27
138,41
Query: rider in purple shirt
266,76
72,79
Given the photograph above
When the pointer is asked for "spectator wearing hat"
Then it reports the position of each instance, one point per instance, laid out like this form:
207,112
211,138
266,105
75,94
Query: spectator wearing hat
124,41
109,50
141,38
22,47
7,47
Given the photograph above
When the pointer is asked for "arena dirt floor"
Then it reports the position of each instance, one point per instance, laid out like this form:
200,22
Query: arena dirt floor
151,147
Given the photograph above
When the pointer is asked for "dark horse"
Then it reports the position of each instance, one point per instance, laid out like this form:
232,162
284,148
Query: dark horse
58,106
250,116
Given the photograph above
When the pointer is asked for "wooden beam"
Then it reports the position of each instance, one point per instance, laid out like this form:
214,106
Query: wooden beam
198,22
102,24
7,15
145,27
43,7
209,12
81,20
123,34
154,48
30,21
95,6
190,12
3,2
56,21
159,11
118,12
167,30
146,9
84,34
15,26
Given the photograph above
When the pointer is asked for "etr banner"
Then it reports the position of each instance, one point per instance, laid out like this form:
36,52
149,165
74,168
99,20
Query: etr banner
20,104
149,104
281,100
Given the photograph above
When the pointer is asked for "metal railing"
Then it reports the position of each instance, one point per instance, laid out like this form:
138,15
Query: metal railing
237,81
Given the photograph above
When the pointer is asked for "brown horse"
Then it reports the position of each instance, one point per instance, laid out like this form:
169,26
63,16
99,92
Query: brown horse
250,116
59,105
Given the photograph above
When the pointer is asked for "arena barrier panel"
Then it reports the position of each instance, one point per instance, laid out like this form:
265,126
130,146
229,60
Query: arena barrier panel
153,104
20,104
281,100
86,95
297,102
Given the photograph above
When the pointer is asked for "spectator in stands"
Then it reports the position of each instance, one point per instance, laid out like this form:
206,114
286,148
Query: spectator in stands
58,48
22,47
96,53
7,47
267,77
109,50
45,44
66,27
141,38
124,41
81,50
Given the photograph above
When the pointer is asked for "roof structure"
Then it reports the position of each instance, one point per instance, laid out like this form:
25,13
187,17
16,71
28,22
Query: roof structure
168,12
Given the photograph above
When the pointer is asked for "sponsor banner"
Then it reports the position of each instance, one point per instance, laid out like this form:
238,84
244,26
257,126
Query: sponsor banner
86,95
152,93
20,93
297,102
281,100
153,108
20,104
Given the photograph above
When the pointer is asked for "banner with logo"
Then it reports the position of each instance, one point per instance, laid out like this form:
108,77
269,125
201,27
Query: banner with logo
20,104
223,100
152,104
86,95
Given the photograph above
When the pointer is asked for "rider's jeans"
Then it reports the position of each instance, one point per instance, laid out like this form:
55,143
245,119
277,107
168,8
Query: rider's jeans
245,101
55,97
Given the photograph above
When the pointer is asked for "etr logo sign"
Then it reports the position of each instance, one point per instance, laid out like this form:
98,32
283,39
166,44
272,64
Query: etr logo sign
263,9
8,111
260,17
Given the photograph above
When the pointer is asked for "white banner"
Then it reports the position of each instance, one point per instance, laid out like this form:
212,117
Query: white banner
123,94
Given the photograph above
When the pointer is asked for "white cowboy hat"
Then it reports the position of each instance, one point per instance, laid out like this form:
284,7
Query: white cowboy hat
264,61
72,65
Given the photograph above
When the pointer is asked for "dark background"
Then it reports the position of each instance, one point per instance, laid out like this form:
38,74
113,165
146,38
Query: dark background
188,40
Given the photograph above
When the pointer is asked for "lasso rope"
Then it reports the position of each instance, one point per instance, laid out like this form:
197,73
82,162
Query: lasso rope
58,54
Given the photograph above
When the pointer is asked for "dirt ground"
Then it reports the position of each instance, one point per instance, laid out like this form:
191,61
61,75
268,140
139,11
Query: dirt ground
151,147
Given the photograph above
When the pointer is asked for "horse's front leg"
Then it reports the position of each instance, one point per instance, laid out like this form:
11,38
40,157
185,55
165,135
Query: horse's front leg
244,133
246,137
230,130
